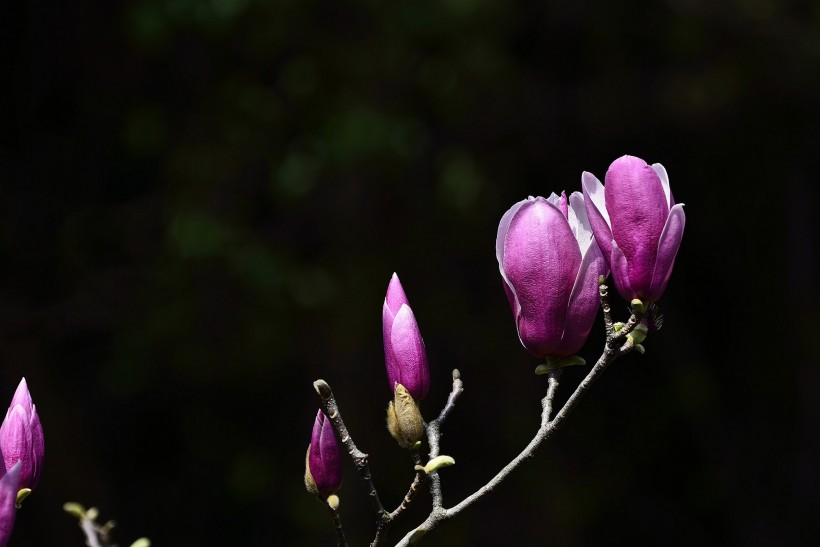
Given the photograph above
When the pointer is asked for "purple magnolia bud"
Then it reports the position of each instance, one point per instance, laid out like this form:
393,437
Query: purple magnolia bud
550,265
323,469
21,437
637,225
9,486
404,353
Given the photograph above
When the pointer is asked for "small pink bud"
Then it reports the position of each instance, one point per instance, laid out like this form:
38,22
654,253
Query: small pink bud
21,437
323,469
404,353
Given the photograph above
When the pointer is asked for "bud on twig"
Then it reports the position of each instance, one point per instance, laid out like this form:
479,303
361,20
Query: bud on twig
404,420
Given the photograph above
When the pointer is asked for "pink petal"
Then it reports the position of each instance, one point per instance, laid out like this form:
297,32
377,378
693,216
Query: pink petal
583,303
409,353
620,273
667,250
395,294
638,209
595,205
9,486
391,366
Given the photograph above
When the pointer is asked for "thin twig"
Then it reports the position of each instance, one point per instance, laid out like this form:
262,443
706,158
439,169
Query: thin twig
414,486
90,530
434,435
337,525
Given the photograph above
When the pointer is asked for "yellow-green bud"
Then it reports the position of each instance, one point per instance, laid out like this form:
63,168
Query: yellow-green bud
637,305
21,495
75,509
404,420
435,464
333,501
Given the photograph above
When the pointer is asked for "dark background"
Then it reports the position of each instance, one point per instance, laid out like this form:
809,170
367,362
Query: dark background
202,202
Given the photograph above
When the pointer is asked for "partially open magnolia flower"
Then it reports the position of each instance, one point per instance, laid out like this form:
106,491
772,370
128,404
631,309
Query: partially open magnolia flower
550,265
637,225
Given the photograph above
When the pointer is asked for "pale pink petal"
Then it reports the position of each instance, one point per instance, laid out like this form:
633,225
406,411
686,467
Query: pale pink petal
595,204
667,250
410,354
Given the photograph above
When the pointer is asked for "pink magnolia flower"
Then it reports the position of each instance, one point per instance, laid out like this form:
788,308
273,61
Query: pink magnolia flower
637,225
324,460
21,437
404,353
550,265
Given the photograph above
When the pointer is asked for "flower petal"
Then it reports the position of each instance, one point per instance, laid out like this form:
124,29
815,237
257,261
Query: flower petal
500,239
583,303
667,250
38,447
395,294
595,205
638,209
664,176
9,486
22,396
15,440
620,273
579,221
409,353
393,375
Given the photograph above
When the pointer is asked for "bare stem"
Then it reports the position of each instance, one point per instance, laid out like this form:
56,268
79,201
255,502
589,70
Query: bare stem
414,486
337,525
90,530
434,435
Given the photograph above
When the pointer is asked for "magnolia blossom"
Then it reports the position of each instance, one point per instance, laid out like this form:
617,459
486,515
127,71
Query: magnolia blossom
404,353
323,469
21,437
637,225
550,265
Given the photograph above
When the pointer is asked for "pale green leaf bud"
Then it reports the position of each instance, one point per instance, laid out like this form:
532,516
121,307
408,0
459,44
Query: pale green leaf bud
74,508
436,463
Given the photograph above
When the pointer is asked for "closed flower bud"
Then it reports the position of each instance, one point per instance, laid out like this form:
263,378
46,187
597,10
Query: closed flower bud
9,485
404,354
21,437
637,225
323,463
551,266
404,420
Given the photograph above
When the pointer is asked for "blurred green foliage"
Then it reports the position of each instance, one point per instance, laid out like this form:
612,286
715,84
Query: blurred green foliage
203,202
